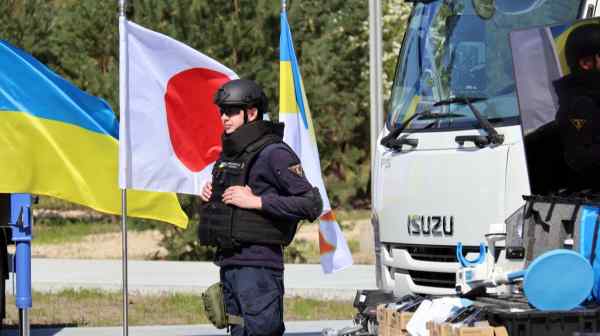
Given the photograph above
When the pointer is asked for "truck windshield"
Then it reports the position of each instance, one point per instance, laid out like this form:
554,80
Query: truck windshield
461,48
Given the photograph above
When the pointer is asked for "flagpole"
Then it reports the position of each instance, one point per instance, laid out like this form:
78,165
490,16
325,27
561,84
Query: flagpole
124,259
375,70
375,74
123,112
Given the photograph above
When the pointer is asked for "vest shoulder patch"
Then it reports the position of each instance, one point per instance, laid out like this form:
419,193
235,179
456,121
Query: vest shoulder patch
578,123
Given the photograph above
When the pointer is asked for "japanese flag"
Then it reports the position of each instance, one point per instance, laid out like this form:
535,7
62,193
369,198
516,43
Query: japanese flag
170,129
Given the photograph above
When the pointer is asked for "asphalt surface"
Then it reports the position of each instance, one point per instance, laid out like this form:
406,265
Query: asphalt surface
303,328
301,280
155,277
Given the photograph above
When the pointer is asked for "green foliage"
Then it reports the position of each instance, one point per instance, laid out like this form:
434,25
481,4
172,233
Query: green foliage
300,251
331,42
183,244
85,44
29,25
78,39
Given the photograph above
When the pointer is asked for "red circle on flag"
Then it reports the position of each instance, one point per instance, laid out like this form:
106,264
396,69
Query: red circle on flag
193,119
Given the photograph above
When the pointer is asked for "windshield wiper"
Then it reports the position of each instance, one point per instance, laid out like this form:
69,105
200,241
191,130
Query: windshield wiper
492,137
459,100
390,140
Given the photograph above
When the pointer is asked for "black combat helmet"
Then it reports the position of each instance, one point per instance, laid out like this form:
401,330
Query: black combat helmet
242,93
583,41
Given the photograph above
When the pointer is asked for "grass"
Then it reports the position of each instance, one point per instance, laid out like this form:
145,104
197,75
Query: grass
58,231
87,308
301,251
69,231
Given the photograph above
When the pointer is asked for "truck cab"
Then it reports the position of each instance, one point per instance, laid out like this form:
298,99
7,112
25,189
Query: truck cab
450,165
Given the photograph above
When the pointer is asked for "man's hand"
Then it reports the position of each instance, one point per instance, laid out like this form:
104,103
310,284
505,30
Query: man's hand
206,191
242,197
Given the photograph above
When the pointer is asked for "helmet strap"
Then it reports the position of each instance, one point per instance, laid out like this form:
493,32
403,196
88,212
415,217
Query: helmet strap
245,116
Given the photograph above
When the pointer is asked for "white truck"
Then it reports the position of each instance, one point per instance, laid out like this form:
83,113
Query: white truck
450,165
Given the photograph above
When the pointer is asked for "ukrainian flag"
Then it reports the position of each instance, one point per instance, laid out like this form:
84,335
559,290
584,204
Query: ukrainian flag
300,135
59,141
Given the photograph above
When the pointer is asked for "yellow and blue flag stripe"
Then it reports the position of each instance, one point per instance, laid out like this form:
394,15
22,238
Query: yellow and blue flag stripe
59,141
299,134
292,99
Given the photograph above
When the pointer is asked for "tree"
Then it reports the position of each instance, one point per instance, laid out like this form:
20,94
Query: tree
85,43
332,49
29,25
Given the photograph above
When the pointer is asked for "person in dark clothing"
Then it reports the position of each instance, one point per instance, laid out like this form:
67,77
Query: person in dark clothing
252,207
578,116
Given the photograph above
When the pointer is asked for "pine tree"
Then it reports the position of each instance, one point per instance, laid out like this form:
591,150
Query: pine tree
28,25
331,41
85,44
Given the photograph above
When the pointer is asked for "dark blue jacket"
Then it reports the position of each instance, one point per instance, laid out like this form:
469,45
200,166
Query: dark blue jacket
278,179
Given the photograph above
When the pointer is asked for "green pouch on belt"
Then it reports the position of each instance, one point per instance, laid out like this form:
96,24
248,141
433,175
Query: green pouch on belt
214,306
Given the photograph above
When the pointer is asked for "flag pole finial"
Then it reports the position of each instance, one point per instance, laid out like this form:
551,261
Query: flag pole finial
122,5
283,5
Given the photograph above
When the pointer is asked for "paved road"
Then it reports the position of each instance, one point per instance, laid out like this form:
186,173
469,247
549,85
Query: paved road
167,276
164,276
304,328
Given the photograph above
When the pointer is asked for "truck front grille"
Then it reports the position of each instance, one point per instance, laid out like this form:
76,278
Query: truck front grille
433,279
437,253
432,253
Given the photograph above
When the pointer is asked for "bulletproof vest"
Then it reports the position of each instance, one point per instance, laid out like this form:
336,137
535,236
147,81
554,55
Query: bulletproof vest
579,121
226,226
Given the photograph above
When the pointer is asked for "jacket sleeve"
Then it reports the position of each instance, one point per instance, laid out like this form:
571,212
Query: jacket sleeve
296,198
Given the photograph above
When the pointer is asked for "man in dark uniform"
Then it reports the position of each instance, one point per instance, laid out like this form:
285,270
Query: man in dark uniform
578,116
253,204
